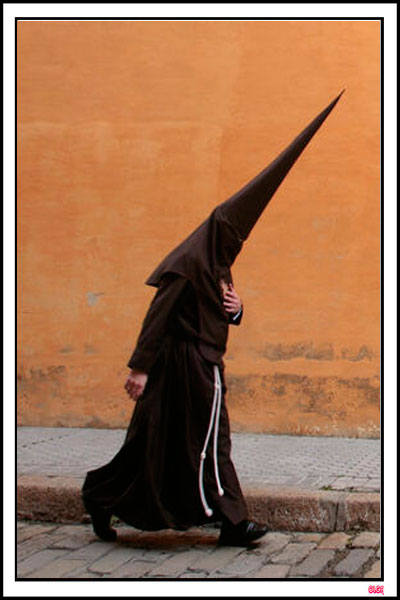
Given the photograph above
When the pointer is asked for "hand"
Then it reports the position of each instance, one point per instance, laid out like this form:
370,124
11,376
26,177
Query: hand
232,302
135,384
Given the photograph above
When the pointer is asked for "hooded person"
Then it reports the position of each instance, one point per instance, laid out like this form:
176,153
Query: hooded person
174,468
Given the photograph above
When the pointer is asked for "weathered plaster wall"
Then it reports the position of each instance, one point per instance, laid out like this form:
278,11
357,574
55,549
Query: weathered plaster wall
129,133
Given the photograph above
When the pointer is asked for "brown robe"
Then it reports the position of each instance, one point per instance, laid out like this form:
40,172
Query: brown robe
153,481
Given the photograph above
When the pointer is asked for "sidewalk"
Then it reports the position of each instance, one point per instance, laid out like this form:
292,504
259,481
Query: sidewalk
319,484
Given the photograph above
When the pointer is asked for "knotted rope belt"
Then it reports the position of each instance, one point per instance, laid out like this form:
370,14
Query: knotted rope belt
214,422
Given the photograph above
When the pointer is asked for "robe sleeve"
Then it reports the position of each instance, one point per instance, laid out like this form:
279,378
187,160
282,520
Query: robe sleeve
235,319
155,323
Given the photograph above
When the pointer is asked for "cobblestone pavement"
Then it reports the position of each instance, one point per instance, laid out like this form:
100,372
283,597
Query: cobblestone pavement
300,461
52,551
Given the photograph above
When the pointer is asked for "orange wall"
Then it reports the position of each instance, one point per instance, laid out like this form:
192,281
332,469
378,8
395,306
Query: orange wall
129,133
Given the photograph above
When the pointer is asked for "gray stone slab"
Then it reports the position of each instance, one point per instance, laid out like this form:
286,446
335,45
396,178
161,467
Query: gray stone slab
133,569
274,542
176,564
217,559
242,565
336,541
37,560
313,564
375,571
272,572
353,562
26,533
34,544
112,560
57,569
194,575
92,551
366,539
294,553
309,537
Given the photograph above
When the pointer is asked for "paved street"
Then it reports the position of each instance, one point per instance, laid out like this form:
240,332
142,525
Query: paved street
53,551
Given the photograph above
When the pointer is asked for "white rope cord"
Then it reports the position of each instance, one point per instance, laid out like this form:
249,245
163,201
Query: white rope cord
219,400
216,409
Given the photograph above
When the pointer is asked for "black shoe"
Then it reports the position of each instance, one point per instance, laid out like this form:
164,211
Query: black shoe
242,534
101,522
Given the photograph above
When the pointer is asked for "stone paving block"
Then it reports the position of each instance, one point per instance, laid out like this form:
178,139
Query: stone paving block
353,562
366,539
154,556
37,560
243,564
294,553
92,551
112,560
41,541
133,569
271,572
350,482
217,559
72,543
335,541
313,564
26,532
194,575
84,574
309,537
76,532
71,537
74,529
57,569
274,542
176,564
375,571
374,483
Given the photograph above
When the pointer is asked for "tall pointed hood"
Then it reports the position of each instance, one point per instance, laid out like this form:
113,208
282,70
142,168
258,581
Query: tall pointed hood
214,245
206,255
244,208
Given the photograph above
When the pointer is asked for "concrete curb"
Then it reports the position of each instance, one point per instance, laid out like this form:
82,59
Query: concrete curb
58,499
296,509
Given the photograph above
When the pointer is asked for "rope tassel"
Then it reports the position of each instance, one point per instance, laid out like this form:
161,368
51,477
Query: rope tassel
214,419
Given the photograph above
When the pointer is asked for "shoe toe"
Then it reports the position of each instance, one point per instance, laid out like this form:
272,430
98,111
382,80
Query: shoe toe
256,530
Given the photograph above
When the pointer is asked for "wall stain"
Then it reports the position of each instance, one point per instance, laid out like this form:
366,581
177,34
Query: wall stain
37,379
367,385
89,349
279,391
50,372
92,297
309,351
66,350
311,394
364,352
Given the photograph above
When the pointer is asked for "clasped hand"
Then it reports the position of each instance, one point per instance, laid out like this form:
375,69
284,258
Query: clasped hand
232,302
